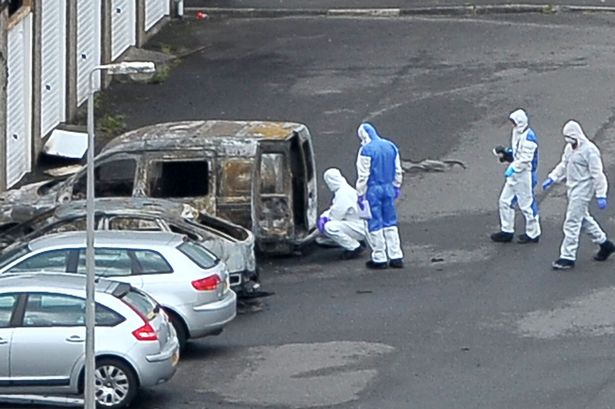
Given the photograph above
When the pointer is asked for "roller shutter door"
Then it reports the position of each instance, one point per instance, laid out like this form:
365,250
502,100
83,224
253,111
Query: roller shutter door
123,26
88,45
53,64
154,11
19,101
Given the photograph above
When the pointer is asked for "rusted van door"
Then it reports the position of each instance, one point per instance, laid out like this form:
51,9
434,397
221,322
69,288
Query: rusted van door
303,184
272,209
188,177
234,194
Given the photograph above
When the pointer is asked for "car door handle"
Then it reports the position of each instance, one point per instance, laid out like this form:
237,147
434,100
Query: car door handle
3,341
75,338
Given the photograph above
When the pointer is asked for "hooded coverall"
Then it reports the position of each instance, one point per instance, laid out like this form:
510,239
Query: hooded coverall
344,226
583,171
519,187
379,174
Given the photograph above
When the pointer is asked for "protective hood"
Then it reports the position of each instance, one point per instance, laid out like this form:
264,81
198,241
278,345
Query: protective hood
573,130
519,118
334,179
367,133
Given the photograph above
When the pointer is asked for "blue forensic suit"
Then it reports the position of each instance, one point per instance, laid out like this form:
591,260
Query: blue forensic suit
379,178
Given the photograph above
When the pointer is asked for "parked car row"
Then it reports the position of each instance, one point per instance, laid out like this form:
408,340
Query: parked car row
180,210
190,283
175,286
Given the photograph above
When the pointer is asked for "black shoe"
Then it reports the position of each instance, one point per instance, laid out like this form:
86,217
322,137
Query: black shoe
396,263
562,264
525,239
376,266
502,237
606,249
350,254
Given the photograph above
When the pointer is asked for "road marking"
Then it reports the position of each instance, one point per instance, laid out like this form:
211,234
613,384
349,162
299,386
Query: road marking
392,12
42,400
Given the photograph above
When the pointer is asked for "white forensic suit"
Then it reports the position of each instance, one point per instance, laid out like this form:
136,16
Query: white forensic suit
519,187
344,226
585,178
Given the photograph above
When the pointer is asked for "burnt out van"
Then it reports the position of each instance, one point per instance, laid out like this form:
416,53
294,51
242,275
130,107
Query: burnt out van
258,174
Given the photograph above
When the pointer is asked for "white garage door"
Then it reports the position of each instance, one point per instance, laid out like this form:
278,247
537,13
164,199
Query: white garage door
53,64
19,101
88,45
123,26
154,11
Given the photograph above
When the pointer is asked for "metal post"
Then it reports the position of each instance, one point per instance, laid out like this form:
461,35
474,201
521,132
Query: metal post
90,314
134,67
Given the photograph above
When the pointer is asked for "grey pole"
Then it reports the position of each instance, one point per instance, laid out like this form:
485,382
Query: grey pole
134,67
90,314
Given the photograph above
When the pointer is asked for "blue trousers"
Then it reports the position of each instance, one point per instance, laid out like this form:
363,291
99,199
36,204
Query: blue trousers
381,200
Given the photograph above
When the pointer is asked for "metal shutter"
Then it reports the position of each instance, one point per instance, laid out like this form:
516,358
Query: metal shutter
154,11
88,45
53,64
19,101
123,26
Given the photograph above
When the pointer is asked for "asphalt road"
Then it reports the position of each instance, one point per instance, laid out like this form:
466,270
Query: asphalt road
468,323
345,4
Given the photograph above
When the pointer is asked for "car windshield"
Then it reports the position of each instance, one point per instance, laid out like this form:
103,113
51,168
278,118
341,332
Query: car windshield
199,254
13,254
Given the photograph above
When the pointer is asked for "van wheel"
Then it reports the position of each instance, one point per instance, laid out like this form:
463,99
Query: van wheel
180,330
116,384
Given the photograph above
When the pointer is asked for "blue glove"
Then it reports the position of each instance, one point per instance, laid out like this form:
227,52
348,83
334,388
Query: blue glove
547,183
601,202
509,171
321,223
360,202
397,191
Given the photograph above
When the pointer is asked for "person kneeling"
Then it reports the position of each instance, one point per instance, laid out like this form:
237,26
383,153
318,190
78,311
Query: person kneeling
341,222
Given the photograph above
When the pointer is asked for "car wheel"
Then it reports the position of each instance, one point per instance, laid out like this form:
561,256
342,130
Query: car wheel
180,330
116,384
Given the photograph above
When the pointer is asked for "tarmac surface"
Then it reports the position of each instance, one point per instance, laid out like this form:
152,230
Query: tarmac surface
349,4
409,7
468,323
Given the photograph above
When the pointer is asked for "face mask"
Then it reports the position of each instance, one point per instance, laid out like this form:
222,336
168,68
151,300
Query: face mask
570,140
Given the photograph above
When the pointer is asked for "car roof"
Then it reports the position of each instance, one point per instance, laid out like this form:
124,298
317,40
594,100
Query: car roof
219,135
135,206
114,238
52,282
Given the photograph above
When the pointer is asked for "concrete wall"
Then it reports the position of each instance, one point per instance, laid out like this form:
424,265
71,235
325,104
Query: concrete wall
4,22
71,61
36,79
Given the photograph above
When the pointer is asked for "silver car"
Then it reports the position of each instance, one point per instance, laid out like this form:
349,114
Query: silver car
42,338
189,281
